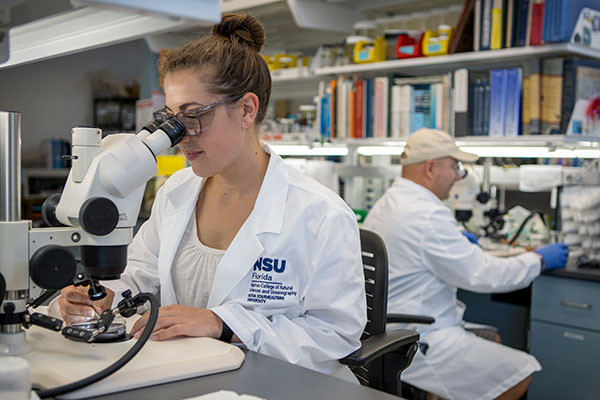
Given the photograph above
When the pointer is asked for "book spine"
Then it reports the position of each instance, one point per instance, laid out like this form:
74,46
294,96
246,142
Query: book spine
535,82
537,21
486,24
496,26
526,100
513,102
497,102
460,102
477,25
551,90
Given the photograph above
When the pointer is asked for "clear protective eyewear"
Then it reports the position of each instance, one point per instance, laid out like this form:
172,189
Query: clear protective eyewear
198,120
460,169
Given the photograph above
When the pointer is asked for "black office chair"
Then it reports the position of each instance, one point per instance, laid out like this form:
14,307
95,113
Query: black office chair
383,355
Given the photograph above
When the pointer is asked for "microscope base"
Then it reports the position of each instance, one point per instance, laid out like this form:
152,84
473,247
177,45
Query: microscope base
56,361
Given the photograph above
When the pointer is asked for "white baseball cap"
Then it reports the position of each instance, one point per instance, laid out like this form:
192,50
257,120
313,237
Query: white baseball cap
428,144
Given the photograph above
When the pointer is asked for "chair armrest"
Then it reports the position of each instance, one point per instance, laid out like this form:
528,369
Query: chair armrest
410,318
376,346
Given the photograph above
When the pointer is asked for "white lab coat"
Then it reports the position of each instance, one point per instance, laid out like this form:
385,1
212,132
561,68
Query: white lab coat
291,283
428,260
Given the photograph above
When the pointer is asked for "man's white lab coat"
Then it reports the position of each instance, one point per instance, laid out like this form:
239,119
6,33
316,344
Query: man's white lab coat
428,260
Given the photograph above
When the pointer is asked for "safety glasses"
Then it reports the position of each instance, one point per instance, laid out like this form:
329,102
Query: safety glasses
460,169
198,120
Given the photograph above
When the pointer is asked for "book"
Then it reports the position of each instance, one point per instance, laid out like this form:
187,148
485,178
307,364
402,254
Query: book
547,21
498,86
537,22
477,10
369,115
359,131
581,80
496,25
462,39
520,28
351,110
437,106
486,24
567,17
395,110
478,105
551,95
512,125
421,115
406,110
381,106
460,102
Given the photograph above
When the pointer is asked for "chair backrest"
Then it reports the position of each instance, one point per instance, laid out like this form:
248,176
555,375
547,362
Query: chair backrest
375,265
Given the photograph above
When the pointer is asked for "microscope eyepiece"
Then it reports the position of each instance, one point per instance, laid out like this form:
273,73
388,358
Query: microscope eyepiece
152,126
175,129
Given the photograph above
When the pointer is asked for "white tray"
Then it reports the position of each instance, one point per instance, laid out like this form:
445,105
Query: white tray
56,361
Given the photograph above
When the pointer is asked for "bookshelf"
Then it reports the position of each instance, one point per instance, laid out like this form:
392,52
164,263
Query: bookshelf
429,65
426,65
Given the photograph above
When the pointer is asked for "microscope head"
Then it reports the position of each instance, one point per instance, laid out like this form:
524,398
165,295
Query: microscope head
104,191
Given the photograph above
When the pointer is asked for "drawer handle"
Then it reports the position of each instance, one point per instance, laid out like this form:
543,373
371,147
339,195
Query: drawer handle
575,336
565,303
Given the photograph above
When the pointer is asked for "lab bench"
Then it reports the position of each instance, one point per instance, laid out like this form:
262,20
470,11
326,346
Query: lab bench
565,335
260,376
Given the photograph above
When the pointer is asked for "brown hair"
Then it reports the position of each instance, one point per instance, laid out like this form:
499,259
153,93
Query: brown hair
231,51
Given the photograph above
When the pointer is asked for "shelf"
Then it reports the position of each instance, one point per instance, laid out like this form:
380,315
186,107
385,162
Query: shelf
424,65
534,146
427,65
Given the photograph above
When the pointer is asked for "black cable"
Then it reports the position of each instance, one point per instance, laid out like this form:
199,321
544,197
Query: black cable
70,387
522,226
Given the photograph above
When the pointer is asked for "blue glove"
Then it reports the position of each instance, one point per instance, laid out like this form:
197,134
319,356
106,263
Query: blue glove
554,255
470,236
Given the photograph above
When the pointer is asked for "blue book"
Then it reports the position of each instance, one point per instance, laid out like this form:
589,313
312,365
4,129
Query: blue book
370,107
421,99
486,24
497,102
568,15
485,122
325,116
522,17
514,86
548,15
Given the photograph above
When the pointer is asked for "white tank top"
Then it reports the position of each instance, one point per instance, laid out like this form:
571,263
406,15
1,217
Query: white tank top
194,268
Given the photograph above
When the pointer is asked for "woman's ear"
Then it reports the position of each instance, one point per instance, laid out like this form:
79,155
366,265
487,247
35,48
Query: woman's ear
250,105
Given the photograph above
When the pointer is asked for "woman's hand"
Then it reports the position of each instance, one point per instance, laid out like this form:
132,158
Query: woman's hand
176,320
76,306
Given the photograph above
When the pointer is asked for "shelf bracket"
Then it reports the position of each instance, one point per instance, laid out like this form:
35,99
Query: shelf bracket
317,14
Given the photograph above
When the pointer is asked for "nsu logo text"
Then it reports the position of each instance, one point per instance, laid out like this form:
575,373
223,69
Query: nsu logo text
269,264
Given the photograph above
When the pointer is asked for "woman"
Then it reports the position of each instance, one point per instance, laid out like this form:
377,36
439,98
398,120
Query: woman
244,248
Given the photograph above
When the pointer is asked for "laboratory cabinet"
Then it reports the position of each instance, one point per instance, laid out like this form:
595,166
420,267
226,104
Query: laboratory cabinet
565,338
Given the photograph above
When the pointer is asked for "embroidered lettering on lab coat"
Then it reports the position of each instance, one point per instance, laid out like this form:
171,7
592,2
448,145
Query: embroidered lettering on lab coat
265,284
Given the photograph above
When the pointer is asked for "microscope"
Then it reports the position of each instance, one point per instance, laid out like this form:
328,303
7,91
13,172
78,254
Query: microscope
96,212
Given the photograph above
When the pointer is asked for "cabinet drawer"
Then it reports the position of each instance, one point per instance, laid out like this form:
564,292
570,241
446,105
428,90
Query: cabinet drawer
566,301
569,361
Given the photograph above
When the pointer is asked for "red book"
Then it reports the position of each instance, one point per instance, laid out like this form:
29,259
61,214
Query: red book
537,22
359,106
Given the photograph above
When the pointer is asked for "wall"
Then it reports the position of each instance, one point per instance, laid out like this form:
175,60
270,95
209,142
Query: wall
55,95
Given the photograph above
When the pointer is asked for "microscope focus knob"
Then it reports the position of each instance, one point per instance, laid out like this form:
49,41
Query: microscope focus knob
98,216
49,210
483,197
52,267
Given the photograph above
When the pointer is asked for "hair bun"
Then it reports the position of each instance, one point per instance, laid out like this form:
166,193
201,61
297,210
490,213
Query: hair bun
243,28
